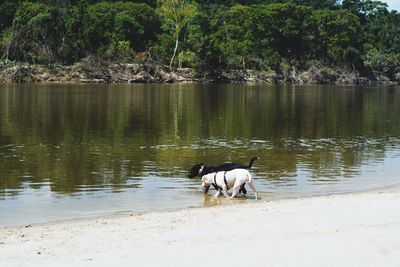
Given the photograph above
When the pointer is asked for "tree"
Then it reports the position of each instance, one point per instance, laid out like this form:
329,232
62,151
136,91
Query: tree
109,23
338,37
177,14
258,36
235,36
37,32
317,4
207,35
136,23
364,8
7,13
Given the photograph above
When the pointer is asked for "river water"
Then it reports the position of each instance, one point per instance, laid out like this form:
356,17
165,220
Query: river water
76,151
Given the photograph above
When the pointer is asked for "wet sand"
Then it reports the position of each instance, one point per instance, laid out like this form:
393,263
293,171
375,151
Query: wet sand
361,229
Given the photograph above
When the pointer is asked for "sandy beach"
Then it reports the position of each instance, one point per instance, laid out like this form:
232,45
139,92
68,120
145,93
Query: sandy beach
361,229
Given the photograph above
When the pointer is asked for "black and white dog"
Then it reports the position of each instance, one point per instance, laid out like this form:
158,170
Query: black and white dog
223,181
201,169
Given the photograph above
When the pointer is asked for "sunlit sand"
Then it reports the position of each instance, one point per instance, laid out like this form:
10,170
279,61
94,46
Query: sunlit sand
341,230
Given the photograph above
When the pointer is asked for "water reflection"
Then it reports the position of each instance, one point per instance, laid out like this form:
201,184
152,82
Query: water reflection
77,140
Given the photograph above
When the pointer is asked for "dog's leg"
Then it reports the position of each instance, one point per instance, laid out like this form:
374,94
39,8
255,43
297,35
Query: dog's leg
243,190
206,189
234,191
236,187
253,188
217,194
225,192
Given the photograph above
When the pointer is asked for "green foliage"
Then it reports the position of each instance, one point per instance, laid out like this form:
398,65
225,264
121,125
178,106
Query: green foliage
107,23
383,31
162,47
23,42
258,35
72,46
121,51
336,36
176,15
382,62
205,35
7,13
187,59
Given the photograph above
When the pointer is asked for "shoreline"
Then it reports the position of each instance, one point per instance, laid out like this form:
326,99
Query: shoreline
97,71
360,229
236,202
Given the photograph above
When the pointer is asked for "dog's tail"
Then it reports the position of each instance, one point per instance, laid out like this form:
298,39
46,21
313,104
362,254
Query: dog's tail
251,162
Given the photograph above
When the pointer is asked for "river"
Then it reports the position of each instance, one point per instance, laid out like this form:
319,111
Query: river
77,151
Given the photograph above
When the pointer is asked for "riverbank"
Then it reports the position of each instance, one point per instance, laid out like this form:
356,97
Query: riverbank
97,71
340,230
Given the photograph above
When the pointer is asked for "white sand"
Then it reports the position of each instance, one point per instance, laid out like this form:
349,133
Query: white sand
343,230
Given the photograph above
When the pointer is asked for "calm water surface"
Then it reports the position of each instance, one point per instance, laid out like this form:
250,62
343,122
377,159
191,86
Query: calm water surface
72,151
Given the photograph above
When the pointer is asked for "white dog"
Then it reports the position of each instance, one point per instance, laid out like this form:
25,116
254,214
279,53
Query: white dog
223,181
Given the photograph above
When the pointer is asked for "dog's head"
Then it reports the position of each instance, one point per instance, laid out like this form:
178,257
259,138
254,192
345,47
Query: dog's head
196,170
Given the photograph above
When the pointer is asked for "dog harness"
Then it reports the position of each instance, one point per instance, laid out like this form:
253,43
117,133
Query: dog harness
216,186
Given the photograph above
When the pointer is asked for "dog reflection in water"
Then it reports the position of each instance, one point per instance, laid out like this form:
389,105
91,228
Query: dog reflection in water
210,200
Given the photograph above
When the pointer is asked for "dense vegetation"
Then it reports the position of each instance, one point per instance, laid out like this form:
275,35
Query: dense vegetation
226,34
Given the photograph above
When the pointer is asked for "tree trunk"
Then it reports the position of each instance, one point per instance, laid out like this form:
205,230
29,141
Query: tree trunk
175,50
